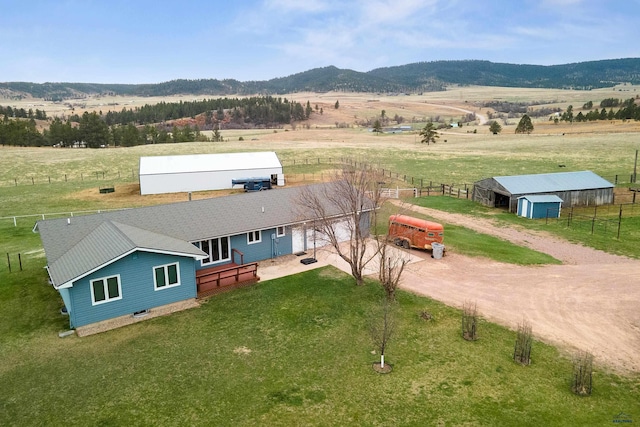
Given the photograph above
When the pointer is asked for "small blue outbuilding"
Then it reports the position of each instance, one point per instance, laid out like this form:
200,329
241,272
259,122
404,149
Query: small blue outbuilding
539,206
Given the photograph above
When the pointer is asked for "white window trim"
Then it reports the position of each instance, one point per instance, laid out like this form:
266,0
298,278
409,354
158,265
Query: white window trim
258,240
166,276
106,293
278,234
202,263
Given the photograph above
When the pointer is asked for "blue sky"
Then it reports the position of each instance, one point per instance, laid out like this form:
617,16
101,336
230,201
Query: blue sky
151,41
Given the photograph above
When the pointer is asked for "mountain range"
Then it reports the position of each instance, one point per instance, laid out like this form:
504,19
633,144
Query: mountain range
410,78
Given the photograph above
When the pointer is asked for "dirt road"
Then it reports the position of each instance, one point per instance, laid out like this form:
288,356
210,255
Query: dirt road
482,119
591,302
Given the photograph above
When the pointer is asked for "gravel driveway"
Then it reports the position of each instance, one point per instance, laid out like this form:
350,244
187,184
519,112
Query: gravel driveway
591,302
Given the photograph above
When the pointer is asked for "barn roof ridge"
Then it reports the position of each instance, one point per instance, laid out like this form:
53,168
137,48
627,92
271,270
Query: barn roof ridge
550,182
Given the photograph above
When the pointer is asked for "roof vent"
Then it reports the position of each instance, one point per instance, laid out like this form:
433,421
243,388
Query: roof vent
68,221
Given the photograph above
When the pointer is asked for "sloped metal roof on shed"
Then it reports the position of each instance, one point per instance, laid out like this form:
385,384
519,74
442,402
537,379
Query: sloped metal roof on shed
552,182
542,198
156,165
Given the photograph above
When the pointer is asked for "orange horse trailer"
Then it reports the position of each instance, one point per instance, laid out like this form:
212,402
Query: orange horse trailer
410,232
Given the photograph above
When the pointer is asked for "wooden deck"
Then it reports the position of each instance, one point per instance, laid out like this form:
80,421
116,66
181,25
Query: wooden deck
212,281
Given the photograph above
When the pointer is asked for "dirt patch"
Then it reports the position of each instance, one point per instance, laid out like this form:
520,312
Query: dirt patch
242,350
588,303
128,195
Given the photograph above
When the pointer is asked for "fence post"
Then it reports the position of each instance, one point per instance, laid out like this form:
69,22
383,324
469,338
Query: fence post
620,221
616,180
65,177
20,261
32,181
9,262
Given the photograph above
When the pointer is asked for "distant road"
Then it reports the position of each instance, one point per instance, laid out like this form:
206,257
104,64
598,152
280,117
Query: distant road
481,117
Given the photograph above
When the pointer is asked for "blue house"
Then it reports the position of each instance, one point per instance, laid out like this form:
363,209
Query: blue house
117,267
539,206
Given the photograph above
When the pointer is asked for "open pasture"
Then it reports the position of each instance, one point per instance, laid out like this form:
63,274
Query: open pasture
276,354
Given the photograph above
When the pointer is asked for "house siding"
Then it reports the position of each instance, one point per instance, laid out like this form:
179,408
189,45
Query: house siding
266,248
137,287
255,252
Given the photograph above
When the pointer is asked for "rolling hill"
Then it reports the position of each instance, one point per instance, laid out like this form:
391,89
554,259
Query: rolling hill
416,77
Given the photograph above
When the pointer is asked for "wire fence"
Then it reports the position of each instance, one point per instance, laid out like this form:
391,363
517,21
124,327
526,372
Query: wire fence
595,220
36,178
42,216
39,178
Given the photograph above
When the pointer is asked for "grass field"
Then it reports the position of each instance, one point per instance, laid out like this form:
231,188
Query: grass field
296,350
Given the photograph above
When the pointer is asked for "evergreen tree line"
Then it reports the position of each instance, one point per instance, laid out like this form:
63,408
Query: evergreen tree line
147,124
21,113
628,111
91,131
257,111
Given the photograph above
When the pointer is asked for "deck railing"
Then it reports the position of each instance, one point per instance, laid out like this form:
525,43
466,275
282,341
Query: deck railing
210,281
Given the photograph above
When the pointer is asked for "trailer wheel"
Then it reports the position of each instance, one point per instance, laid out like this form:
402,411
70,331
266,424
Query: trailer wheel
405,244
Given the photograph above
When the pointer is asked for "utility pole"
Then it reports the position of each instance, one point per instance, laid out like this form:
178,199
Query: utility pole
635,167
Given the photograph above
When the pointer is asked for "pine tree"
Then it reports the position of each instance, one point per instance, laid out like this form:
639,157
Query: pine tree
495,128
525,125
429,134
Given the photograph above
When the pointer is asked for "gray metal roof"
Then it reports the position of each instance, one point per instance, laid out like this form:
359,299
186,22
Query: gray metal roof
76,245
552,182
107,242
542,198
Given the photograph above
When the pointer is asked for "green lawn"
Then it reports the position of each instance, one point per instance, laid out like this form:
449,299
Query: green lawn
293,351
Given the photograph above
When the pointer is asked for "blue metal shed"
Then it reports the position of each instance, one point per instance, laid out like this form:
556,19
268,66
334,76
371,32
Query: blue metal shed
539,206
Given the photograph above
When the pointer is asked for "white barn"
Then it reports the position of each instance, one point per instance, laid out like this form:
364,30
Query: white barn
200,172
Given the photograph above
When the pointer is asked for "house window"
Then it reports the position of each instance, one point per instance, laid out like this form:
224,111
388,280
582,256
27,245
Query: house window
254,237
280,231
216,249
166,276
106,289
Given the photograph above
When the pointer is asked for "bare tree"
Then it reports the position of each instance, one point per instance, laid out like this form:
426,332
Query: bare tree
350,201
470,321
582,374
382,326
524,339
392,264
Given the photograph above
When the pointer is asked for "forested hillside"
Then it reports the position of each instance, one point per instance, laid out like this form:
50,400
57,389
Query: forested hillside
417,77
